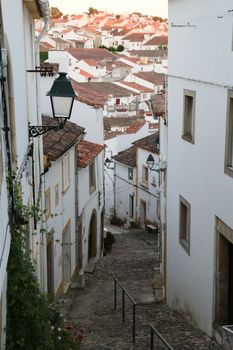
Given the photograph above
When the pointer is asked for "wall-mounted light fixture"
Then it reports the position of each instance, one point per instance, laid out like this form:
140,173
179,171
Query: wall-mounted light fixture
62,98
155,166
108,163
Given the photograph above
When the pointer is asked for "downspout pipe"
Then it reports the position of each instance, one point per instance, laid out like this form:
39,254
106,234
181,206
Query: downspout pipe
45,10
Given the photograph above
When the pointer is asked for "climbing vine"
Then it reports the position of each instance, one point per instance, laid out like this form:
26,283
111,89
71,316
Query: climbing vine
32,322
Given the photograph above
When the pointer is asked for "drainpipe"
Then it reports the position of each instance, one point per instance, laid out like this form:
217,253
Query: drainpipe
45,11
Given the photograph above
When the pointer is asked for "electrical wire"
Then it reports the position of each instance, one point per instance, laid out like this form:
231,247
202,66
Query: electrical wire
190,22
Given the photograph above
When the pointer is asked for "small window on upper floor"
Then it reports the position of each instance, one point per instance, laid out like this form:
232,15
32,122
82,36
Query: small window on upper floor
65,172
184,230
189,115
130,174
145,176
229,136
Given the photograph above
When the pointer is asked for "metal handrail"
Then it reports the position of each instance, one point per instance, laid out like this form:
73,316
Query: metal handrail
153,331
124,291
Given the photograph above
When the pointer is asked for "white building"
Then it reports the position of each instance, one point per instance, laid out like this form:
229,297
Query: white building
136,187
61,204
22,106
91,203
200,187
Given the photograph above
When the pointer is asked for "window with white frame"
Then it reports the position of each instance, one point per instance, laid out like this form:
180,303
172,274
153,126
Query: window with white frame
184,222
92,178
130,174
229,136
66,172
145,175
189,115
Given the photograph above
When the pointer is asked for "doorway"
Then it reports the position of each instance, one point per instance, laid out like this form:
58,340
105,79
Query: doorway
50,267
92,243
224,274
142,213
66,255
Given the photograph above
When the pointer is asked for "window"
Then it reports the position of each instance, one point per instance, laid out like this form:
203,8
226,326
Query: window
184,231
65,172
189,115
131,206
145,175
92,182
47,204
130,173
56,194
118,101
229,136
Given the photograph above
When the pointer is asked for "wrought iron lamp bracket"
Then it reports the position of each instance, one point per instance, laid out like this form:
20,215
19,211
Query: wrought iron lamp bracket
35,131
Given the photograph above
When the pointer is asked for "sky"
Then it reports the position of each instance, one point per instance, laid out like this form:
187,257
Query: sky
149,7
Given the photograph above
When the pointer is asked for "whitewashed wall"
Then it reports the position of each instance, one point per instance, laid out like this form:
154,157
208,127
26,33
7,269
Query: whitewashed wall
197,171
149,195
62,213
87,203
124,188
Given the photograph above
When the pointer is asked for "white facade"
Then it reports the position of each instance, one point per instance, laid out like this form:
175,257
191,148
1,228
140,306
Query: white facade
89,205
62,218
113,146
196,170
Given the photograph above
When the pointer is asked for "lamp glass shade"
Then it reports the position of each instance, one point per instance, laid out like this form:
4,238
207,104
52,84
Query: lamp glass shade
62,106
62,98
150,161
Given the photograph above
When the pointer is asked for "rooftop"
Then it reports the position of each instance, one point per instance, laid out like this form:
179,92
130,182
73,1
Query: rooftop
97,54
158,104
152,77
157,40
127,157
149,143
97,93
87,152
56,143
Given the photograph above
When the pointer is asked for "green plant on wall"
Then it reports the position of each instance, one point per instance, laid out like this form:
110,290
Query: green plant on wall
32,323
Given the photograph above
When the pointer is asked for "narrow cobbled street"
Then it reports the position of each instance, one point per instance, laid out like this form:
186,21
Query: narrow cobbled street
133,261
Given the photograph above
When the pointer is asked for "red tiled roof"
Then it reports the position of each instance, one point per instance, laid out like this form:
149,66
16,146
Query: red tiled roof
136,86
157,40
90,61
136,37
85,74
44,46
97,93
87,152
97,54
158,104
149,143
56,143
152,77
127,157
135,127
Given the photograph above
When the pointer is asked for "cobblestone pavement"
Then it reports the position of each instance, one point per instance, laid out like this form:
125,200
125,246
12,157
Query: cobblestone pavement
132,261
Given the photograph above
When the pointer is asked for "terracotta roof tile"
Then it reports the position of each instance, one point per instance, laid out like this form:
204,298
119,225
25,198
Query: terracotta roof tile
97,93
152,77
97,54
158,104
157,40
127,157
56,143
87,152
136,86
85,74
149,143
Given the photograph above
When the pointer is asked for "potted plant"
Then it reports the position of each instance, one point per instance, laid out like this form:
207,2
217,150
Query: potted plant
108,241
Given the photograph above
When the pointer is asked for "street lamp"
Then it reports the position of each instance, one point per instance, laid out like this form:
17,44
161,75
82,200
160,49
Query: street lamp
108,163
151,163
62,98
